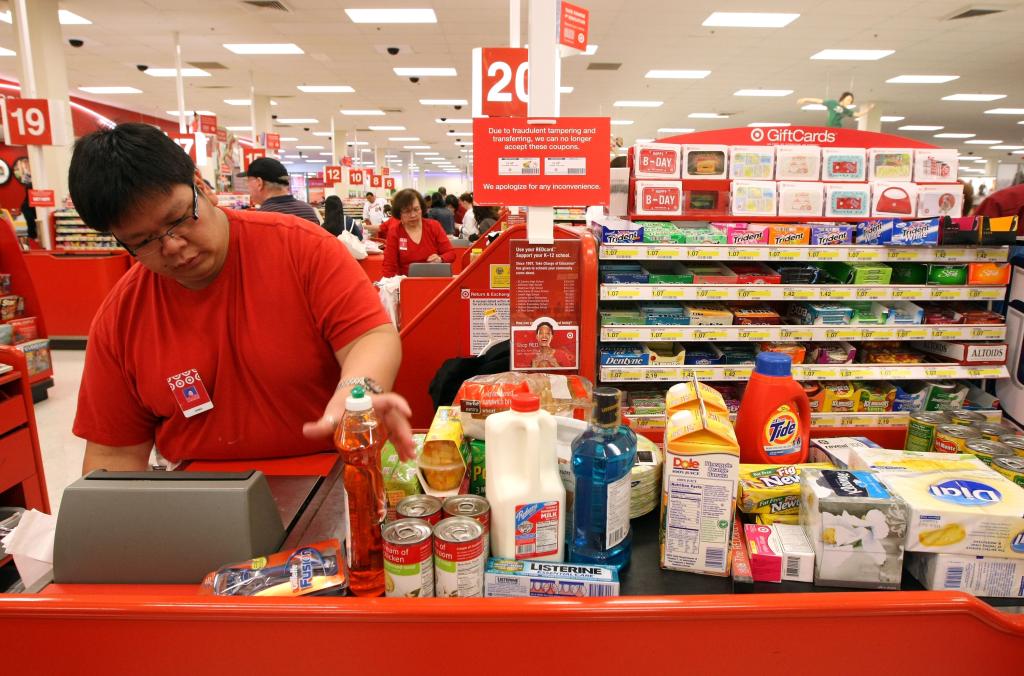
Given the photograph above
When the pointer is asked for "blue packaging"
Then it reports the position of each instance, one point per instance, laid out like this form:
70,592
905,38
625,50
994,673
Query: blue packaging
910,396
664,315
704,355
624,355
620,231
875,231
915,233
623,273
826,235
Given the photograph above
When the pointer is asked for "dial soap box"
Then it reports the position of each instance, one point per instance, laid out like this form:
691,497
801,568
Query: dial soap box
698,501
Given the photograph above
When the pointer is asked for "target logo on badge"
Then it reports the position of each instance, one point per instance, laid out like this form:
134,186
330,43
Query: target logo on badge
190,393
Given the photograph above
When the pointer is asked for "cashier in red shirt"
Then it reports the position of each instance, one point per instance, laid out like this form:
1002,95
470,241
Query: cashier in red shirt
238,335
414,239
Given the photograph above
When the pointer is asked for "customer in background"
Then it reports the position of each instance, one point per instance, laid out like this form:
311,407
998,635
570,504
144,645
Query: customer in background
414,239
837,110
1005,202
373,212
439,212
968,196
334,218
452,202
268,189
469,226
485,217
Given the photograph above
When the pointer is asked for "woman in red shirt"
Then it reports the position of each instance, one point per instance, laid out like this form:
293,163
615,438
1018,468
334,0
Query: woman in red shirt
414,239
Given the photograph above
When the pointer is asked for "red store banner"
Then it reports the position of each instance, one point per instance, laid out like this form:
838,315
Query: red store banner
545,305
574,23
41,198
541,162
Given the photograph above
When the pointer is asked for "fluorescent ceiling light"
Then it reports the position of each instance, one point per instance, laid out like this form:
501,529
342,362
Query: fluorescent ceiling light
444,102
7,52
238,102
1006,147
922,79
921,127
769,124
565,90
891,118
355,111
324,134
297,120
358,143
621,123
416,147
954,135
286,161
172,72
403,138
1017,152
425,72
391,157
64,17
763,92
813,106
708,116
264,48
677,74
309,147
110,90
283,138
426,154
750,19
675,130
454,120
190,112
852,54
983,142
325,89
638,104
974,97
456,133
325,154
1005,111
401,15
386,127
463,143
317,161
244,128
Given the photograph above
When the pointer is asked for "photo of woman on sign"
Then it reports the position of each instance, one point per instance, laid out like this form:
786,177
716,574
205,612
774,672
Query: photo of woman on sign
544,345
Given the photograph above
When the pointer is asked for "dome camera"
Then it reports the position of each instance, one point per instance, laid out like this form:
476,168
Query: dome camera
75,42
414,80
393,51
305,129
142,67
458,107
273,117
444,119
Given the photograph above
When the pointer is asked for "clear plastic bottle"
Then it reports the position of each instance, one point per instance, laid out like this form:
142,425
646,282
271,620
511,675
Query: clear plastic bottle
358,439
602,459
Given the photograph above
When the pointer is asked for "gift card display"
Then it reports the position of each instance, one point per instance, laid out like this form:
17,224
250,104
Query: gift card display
754,198
801,199
656,160
940,200
797,163
890,164
894,199
848,200
935,165
705,161
752,162
843,164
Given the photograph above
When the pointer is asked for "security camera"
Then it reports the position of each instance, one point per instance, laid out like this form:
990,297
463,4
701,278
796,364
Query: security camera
444,119
305,129
458,107
75,42
273,117
451,131
142,67
393,51
414,80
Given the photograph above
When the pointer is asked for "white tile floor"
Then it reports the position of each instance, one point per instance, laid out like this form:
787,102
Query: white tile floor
62,451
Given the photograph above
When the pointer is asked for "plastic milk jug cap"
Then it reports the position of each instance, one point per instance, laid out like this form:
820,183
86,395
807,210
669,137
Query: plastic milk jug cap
773,364
357,400
525,402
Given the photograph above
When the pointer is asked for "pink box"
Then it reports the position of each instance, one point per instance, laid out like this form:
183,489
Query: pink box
743,233
765,552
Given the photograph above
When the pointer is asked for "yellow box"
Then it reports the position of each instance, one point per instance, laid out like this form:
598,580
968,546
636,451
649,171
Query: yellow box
442,464
772,489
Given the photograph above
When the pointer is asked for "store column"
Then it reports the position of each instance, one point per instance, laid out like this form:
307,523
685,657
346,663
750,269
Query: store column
872,121
545,74
44,76
260,112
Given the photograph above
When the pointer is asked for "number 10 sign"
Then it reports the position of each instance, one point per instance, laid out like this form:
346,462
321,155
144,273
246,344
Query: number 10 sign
31,122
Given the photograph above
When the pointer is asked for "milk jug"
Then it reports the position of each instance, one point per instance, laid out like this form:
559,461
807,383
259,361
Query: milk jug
523,485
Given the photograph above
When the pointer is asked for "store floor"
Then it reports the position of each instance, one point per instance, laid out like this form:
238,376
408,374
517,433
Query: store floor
62,451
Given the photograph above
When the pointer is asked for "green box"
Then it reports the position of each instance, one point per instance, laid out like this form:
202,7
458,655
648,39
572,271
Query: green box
909,273
703,236
619,317
947,274
676,274
659,232
478,468
859,273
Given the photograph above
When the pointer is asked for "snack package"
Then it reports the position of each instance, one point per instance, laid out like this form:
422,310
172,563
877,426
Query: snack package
770,519
873,397
815,395
831,353
831,235
771,489
624,273
23,330
796,351
979,575
478,464
443,462
400,478
743,233
659,232
923,232
560,395
674,273
877,231
619,231
317,569
664,315
840,397
789,235
11,307
885,460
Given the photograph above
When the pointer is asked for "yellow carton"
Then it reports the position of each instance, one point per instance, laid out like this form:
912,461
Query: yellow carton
698,498
769,519
686,396
772,489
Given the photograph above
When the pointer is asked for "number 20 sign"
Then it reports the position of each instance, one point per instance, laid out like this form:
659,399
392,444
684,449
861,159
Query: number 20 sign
501,81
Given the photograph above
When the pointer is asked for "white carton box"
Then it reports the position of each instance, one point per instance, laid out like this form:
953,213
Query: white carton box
894,199
838,450
973,512
978,575
504,578
754,198
844,164
940,200
657,160
797,553
797,163
886,460
705,161
801,198
752,162
658,198
890,164
935,165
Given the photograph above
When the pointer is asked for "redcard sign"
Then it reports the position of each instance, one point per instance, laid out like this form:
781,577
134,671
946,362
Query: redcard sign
376,181
271,141
41,198
222,135
250,154
355,176
27,122
504,81
541,162
389,183
573,24
208,124
332,174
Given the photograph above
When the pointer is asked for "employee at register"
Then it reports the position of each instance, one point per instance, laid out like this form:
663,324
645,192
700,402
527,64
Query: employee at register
414,239
239,334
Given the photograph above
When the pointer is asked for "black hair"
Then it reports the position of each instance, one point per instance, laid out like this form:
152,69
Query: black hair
113,170
437,201
466,197
442,190
619,161
845,94
452,201
370,194
403,199
334,215
481,213
387,209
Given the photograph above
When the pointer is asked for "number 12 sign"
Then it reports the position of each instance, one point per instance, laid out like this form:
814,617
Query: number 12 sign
501,81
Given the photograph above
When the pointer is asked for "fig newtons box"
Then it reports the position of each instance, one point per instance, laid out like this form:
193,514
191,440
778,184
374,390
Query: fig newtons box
699,484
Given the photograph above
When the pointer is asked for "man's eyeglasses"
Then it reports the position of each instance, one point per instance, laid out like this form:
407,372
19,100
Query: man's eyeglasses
152,245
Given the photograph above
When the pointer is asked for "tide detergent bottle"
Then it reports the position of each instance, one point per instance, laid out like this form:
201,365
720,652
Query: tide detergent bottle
774,422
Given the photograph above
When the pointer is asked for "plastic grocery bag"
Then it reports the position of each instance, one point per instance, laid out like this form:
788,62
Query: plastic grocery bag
390,296
354,245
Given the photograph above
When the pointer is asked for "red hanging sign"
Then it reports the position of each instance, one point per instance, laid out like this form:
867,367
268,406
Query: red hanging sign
250,154
541,162
41,198
573,26
504,81
355,176
271,141
208,124
376,181
385,171
389,183
28,122
346,161
332,174
222,135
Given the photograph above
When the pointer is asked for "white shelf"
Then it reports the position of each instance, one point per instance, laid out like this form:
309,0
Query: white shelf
795,292
643,334
893,419
672,374
722,252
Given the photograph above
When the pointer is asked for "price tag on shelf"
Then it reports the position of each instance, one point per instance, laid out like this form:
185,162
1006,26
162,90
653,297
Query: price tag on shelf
989,332
904,255
754,294
620,252
950,254
872,294
668,293
823,254
874,333
836,294
718,294
622,293
819,372
947,294
848,421
986,294
785,254
753,334
796,334
730,373
842,334
908,294
621,374
702,254
942,334
986,372
912,334
744,254
863,255
940,372
659,373
666,334
619,334
662,252
799,294
850,372
898,372
999,254
710,334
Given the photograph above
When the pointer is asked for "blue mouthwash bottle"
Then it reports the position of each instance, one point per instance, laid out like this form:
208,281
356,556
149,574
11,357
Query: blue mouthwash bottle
602,458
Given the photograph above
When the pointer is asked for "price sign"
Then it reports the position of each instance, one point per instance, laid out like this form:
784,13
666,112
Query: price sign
717,294
749,294
904,255
27,122
743,254
389,183
796,334
251,154
624,293
753,334
41,198
843,294
940,334
666,334
701,254
784,254
332,174
573,25
799,294
950,254
657,252
863,255
911,334
616,334
908,294
668,293
871,294
946,294
617,252
355,176
376,181
501,81
992,333
823,254
710,335
990,254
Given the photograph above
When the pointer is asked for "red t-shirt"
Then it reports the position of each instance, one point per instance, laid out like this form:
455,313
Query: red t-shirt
262,336
459,213
385,227
400,251
1005,202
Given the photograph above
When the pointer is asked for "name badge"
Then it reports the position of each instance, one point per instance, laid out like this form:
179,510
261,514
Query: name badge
403,244
190,393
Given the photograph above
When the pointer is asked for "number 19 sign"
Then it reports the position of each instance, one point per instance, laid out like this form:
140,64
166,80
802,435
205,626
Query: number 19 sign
28,122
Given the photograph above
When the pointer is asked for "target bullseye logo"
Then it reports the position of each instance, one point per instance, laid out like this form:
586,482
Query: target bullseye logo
757,134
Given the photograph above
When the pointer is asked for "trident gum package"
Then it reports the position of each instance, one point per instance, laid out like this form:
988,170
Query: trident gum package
311,569
699,487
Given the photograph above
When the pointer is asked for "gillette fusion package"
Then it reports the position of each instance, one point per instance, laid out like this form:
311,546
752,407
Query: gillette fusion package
317,569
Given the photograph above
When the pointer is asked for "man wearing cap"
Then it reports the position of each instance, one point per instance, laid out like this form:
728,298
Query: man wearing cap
269,190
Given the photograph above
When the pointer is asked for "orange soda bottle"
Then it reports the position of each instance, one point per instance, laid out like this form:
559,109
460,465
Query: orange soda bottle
359,439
